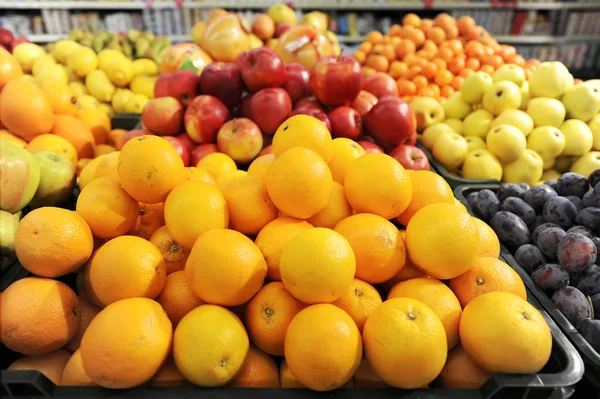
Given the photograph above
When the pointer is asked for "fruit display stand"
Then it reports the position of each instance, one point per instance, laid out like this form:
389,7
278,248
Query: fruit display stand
590,357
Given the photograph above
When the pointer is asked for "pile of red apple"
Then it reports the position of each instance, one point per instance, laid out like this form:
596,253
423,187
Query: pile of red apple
8,42
235,108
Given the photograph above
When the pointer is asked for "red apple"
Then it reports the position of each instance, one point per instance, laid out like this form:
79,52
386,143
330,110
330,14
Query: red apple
241,139
161,87
186,141
224,81
269,108
411,157
381,84
345,122
336,80
364,102
298,81
370,147
181,149
311,102
163,116
266,151
204,117
263,68
390,121
314,112
183,85
281,28
244,107
130,135
240,59
201,151
6,37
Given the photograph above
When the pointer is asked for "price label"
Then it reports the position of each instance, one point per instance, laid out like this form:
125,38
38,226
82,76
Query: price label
428,4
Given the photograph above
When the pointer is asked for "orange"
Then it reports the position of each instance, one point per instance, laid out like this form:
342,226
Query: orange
460,372
84,284
88,172
440,63
466,72
430,70
377,183
487,69
97,121
259,370
503,333
345,151
444,77
150,218
427,188
51,242
126,343
103,149
415,35
217,164
489,245
198,174
378,247
378,48
397,69
436,295
23,330
149,168
176,298
436,35
107,166
61,97
395,30
87,312
175,255
74,374
446,91
55,144
366,47
192,208
24,109
420,81
8,136
359,301
389,52
487,275
10,68
303,131
141,271
323,347
473,63
224,180
49,364
411,19
516,59
317,265
225,268
426,92
260,165
493,60
406,87
413,71
76,132
377,62
249,205
168,375
457,82
268,315
408,272
367,71
405,343
286,377
210,345
374,37
107,208
272,239
451,33
430,234
456,65
474,49
299,182
465,24
336,210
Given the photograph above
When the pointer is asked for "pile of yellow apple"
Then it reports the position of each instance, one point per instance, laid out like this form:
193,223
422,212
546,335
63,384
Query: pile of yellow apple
505,127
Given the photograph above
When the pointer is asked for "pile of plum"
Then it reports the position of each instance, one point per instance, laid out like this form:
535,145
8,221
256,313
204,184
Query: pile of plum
553,231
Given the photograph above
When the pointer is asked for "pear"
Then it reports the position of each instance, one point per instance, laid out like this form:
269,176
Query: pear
547,141
594,126
478,123
546,111
578,137
550,79
482,164
456,107
451,150
511,73
474,86
63,49
431,134
475,143
527,169
582,102
516,118
506,142
99,86
587,163
502,96
82,61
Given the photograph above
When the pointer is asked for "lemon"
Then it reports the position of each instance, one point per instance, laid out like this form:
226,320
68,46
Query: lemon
136,104
107,56
64,48
52,72
120,99
41,62
145,66
26,54
82,61
120,71
143,85
72,76
87,101
107,109
78,88
99,86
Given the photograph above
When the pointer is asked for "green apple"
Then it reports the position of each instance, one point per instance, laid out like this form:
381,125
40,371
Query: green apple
550,174
516,118
506,142
478,123
525,96
547,141
587,163
594,126
529,169
450,150
578,137
546,111
475,143
474,86
455,124
456,107
20,173
582,102
8,228
502,96
550,79
563,163
510,72
57,180
431,134
482,164
428,111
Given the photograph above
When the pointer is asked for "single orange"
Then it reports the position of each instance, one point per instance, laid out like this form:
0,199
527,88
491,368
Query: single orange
336,210
175,255
259,370
359,301
250,208
428,188
74,374
460,372
150,218
176,297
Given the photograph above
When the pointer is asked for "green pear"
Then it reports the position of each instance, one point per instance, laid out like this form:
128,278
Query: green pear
431,134
587,163
8,228
582,102
594,126
547,141
550,79
20,173
527,169
482,164
502,96
57,180
578,137
428,111
516,118
455,124
456,107
506,142
525,96
475,143
511,73
450,149
478,123
546,111
474,86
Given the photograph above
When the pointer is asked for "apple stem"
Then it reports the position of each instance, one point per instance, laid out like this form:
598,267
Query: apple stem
233,128
340,56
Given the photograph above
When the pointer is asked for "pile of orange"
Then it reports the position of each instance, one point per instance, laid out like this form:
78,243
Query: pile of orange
210,275
432,57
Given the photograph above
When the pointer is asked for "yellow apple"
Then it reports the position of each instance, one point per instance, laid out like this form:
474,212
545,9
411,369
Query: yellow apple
482,164
427,112
550,79
474,86
578,137
582,102
506,142
451,150
587,163
594,126
547,141
456,107
516,118
527,169
510,72
502,96
455,124
475,143
432,133
478,123
546,111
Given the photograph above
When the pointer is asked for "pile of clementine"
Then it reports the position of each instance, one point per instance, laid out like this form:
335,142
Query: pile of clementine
432,57
293,274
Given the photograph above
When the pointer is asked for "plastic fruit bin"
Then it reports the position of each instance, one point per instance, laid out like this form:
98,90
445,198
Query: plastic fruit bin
590,357
555,381
126,121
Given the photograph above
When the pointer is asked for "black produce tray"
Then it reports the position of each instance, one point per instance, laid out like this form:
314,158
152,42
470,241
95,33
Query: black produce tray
590,357
453,180
126,121
555,381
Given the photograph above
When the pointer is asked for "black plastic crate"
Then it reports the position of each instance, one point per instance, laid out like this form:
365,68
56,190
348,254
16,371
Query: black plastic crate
591,358
126,121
